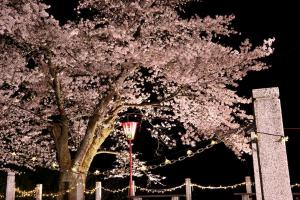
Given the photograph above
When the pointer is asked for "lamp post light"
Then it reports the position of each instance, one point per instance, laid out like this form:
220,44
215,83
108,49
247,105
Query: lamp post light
130,129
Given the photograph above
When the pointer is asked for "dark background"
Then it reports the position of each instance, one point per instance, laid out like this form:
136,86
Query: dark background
218,166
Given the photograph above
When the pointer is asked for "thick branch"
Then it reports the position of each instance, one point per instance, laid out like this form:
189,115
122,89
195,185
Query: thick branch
60,136
100,136
91,141
146,104
58,97
91,128
84,159
108,152
61,129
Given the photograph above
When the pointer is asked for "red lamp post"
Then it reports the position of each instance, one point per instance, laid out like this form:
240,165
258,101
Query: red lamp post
130,129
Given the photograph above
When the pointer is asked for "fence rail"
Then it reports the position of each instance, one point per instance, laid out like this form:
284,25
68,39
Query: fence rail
38,194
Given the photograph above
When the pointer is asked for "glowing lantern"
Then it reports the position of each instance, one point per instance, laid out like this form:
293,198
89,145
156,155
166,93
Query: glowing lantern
130,129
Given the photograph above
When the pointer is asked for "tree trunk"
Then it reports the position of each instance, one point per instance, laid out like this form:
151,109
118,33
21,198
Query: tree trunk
69,181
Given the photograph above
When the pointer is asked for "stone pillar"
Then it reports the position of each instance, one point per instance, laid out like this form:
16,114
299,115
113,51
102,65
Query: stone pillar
79,191
248,196
188,189
38,192
98,191
271,166
133,188
10,186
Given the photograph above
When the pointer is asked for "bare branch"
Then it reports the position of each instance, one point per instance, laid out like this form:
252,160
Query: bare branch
108,152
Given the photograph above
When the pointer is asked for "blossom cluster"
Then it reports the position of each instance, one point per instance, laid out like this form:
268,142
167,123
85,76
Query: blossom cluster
131,55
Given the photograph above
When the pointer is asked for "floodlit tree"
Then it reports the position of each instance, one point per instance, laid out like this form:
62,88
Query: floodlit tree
63,88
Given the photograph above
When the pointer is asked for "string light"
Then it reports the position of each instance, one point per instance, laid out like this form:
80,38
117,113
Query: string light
54,195
89,192
143,168
213,142
219,187
151,167
167,161
284,139
32,193
96,172
54,165
115,191
189,152
254,137
161,191
92,191
182,158
296,185
22,193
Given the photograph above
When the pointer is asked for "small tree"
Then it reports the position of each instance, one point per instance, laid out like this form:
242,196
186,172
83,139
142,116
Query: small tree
63,88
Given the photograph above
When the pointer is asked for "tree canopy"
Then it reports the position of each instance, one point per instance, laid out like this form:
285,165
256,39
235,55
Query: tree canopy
65,88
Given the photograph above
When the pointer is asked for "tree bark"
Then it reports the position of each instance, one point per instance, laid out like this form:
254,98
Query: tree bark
68,182
74,171
72,174
60,136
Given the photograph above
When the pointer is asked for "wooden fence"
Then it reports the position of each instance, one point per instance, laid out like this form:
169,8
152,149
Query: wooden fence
37,193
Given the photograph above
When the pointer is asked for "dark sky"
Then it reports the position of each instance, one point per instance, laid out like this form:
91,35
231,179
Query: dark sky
259,19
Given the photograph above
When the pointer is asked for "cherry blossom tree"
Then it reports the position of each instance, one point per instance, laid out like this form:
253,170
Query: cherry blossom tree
64,88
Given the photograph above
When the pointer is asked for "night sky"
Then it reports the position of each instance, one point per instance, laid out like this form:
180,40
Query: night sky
279,19
257,21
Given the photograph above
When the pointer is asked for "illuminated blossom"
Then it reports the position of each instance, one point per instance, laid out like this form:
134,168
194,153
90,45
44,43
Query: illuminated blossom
63,87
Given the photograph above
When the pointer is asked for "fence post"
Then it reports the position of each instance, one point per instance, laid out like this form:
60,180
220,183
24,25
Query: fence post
175,198
38,191
79,191
10,186
248,189
248,186
134,190
98,191
188,189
